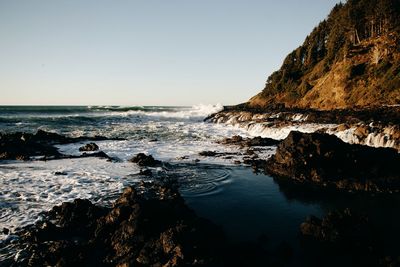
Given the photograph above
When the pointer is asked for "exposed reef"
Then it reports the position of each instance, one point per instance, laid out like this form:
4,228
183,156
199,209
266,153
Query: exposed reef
379,127
147,226
41,146
144,160
326,161
249,142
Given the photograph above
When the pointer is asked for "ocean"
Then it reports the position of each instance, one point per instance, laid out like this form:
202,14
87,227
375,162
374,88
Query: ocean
247,205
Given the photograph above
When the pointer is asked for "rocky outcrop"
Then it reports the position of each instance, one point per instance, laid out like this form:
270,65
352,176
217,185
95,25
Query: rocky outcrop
89,147
342,227
351,59
345,238
373,127
147,226
144,160
249,142
24,146
324,160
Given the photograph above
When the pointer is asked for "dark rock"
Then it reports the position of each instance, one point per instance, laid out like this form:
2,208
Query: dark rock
208,153
147,227
256,164
249,142
89,147
327,161
342,237
383,114
338,227
146,172
226,155
6,231
145,160
60,173
21,146
99,154
260,141
24,146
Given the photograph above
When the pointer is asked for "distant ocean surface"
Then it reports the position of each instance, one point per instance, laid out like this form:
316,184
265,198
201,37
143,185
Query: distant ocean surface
246,204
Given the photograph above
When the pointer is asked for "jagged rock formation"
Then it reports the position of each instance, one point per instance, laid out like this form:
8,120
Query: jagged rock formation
351,59
26,146
324,160
147,226
372,127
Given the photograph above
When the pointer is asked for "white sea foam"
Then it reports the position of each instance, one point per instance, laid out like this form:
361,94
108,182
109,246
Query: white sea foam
382,138
28,188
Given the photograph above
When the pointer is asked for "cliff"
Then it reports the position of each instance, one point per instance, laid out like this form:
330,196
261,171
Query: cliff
350,60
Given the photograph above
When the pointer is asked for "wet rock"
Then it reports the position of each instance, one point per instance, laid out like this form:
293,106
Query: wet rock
257,164
342,238
327,161
146,172
149,226
338,226
249,142
99,154
145,160
25,146
77,216
208,153
226,155
89,147
20,146
385,115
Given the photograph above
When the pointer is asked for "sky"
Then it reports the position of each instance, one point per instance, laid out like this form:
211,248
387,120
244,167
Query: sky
150,52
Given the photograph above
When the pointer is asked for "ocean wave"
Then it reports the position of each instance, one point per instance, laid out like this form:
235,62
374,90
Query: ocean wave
196,112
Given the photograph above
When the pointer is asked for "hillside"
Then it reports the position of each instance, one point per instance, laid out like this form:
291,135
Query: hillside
351,59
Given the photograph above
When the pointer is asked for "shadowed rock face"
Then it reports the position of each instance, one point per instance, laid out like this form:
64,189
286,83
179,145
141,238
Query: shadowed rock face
145,160
249,142
337,227
148,226
343,238
327,161
23,146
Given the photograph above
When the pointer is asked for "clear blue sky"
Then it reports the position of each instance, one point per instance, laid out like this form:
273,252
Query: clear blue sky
150,52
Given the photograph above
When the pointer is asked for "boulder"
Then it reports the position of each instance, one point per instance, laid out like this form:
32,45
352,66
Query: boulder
146,226
89,147
343,227
21,146
145,160
327,161
24,146
249,142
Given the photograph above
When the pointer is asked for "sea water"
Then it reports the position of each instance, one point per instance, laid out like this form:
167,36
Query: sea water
247,205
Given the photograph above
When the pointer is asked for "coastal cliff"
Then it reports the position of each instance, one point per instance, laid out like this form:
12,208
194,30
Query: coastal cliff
343,80
351,59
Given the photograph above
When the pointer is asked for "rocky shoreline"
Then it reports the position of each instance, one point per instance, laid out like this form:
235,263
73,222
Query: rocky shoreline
324,160
41,146
147,226
150,224
378,127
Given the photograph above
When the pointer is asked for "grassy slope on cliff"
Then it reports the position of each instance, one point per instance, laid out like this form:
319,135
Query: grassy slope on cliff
351,59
